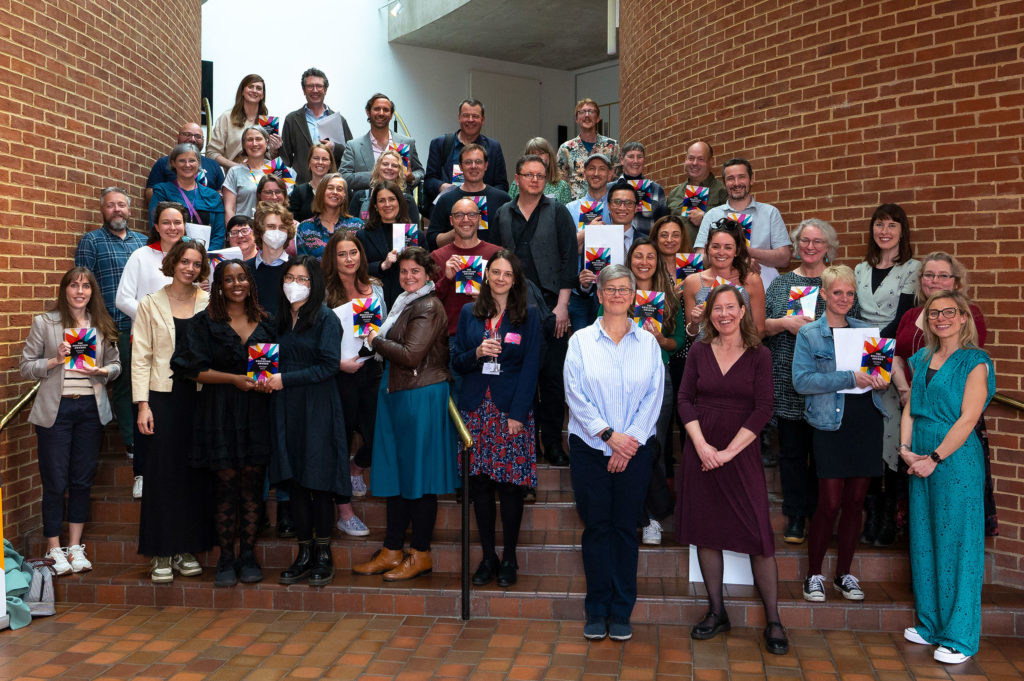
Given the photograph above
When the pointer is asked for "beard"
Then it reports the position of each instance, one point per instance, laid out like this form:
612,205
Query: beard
118,224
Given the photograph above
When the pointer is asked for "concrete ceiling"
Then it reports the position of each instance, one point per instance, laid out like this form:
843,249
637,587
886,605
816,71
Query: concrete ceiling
537,32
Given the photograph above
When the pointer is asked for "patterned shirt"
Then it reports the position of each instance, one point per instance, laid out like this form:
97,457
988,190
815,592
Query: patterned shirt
312,236
788,403
573,154
105,254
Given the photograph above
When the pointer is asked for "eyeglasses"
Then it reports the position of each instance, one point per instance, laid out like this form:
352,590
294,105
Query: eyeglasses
940,277
191,135
533,176
609,291
272,192
241,231
622,203
289,278
466,216
817,243
588,112
946,312
469,162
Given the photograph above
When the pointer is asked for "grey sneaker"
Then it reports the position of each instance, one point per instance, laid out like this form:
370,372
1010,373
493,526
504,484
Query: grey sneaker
61,566
595,629
358,486
353,527
187,565
137,487
161,571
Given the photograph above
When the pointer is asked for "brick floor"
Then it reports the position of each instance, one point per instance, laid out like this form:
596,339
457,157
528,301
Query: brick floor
187,644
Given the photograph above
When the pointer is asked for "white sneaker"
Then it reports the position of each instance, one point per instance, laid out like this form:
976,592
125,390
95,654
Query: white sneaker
61,566
910,633
949,655
137,487
652,533
354,527
79,563
358,486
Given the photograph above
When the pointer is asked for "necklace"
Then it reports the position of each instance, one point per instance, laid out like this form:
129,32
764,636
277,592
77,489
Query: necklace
182,299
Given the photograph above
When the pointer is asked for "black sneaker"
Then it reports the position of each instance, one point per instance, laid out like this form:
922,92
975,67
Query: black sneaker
848,586
796,530
814,589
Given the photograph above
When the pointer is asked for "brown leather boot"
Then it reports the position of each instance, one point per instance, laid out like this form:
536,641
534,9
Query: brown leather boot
415,564
382,561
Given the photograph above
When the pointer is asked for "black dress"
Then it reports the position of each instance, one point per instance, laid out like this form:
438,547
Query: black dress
377,244
231,427
177,513
308,424
853,451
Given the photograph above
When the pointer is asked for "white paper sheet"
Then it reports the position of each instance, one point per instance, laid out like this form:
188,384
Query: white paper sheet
849,351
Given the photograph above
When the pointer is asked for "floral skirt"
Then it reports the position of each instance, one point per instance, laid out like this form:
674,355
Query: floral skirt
496,454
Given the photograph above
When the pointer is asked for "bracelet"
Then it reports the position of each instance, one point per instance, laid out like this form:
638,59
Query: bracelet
904,445
691,334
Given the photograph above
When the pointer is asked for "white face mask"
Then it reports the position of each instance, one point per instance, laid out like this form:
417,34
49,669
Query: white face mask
274,238
295,292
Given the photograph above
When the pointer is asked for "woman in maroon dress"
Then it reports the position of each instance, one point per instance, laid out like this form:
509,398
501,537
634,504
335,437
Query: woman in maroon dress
725,400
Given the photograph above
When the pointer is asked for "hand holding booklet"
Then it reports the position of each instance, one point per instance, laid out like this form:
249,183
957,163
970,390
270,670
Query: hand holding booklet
849,344
331,128
603,245
404,235
263,361
83,349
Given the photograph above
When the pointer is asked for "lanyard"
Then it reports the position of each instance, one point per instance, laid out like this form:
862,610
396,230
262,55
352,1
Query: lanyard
188,204
487,324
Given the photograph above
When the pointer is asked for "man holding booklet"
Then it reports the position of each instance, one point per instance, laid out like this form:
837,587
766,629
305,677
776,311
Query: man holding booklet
702,190
313,121
474,163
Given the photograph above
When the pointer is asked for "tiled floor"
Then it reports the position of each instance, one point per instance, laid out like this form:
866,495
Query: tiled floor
182,644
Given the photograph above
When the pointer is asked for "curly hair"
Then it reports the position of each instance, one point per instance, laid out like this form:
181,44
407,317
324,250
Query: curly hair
741,261
218,307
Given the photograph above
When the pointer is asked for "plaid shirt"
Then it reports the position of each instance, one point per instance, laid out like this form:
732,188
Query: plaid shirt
106,254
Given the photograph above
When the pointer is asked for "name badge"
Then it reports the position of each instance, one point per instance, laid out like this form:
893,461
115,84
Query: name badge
492,369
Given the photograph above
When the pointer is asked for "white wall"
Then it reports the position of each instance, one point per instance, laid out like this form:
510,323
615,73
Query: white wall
348,41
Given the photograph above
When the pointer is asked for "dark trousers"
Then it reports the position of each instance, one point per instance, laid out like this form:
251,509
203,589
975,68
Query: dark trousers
609,504
359,404
659,503
121,391
312,513
422,513
796,468
549,409
68,451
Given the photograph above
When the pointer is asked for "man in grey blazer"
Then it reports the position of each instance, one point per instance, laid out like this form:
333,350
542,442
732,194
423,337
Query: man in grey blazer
361,154
300,126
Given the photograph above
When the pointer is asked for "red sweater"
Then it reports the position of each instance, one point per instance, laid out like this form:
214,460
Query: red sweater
444,287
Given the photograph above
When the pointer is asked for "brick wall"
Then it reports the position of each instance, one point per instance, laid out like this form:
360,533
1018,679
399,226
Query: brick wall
843,106
92,93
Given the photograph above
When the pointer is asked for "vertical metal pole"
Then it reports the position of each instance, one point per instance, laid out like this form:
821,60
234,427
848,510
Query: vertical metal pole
467,445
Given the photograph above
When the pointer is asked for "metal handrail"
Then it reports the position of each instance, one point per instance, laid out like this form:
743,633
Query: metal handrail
405,131
1008,401
21,403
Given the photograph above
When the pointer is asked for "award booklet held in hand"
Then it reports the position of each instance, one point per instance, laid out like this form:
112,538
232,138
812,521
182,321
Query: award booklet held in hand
403,150
603,245
644,190
802,301
746,222
263,361
272,124
470,275
649,305
695,196
481,203
404,235
589,212
367,315
876,359
83,348
687,264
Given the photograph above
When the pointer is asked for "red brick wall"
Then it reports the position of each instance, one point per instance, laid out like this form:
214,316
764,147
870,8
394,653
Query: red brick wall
842,106
92,93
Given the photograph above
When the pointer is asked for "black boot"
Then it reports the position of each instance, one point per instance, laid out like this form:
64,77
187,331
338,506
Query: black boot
226,574
302,566
249,571
872,504
285,526
887,523
323,564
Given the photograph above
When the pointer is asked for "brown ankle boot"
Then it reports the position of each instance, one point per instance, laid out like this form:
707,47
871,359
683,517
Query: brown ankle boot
382,561
415,564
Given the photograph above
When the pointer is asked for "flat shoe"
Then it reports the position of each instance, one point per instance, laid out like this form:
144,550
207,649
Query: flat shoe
485,572
712,625
507,573
776,645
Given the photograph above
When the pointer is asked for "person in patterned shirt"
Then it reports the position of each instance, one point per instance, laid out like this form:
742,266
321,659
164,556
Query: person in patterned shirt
573,154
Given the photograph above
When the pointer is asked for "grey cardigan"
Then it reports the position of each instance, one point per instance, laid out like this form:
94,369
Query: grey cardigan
44,336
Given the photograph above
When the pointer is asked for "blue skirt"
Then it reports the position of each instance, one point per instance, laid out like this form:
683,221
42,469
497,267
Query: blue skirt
415,446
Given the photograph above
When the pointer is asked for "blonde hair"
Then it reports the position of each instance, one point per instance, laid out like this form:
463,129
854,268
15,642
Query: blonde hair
834,273
375,177
968,337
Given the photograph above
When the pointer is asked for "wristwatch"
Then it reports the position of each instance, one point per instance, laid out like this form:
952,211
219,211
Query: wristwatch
934,456
606,435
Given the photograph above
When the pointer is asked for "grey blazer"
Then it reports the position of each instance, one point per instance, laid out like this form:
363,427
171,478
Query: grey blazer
44,336
357,161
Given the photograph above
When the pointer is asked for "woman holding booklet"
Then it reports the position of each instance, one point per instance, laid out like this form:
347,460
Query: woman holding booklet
726,261
72,351
953,382
847,432
387,207
203,205
497,350
308,451
241,182
330,215
391,168
174,521
414,457
793,300
231,428
725,400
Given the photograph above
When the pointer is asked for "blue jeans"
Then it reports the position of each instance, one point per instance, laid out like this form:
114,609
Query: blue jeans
609,505
68,452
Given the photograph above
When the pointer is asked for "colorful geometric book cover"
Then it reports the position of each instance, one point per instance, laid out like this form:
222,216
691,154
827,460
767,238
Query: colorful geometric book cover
589,211
722,281
746,221
277,167
470,275
695,196
596,259
877,357
366,315
649,305
404,235
403,150
83,348
264,361
272,124
645,189
219,255
458,177
687,264
481,202
802,301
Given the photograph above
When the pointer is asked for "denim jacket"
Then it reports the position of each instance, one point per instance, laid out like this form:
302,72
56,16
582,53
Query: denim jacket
815,375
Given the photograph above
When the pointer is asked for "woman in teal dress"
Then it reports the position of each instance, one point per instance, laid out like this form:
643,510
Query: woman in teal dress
953,381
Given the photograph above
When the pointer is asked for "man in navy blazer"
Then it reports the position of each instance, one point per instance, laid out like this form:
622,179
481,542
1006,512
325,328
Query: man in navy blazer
444,151
361,154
